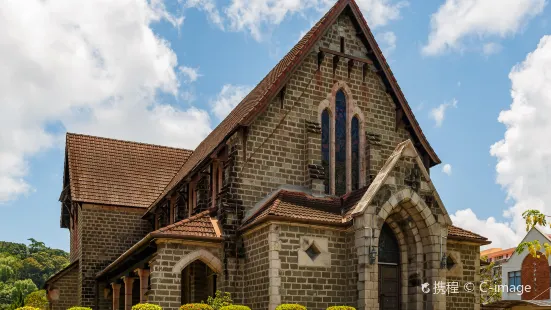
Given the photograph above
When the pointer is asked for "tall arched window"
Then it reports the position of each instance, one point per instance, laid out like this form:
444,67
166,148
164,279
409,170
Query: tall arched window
355,158
325,148
340,143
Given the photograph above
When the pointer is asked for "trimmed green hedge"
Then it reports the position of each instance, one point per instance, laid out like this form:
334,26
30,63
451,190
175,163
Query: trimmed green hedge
291,307
79,308
235,307
146,306
27,308
341,308
196,307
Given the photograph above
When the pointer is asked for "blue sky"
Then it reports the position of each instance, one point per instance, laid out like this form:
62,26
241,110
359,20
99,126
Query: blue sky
167,72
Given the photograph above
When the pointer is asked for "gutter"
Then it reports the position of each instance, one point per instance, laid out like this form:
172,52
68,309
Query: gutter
272,217
147,239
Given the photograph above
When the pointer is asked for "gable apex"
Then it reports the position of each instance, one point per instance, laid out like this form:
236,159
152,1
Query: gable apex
259,98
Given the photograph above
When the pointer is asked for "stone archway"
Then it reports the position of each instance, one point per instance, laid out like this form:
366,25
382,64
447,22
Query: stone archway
421,247
198,272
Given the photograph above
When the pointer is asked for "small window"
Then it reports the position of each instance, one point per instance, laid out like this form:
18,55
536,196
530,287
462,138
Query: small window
313,252
514,278
342,45
449,262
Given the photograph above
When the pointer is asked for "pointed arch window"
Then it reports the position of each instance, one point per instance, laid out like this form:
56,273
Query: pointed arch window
325,148
340,144
355,156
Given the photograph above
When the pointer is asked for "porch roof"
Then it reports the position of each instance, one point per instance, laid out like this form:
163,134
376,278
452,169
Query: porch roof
198,227
507,304
298,206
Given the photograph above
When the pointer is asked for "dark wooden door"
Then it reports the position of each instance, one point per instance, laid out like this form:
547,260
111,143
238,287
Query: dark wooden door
389,270
389,287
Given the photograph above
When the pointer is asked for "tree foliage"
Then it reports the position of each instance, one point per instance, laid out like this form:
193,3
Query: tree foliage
24,269
534,218
491,276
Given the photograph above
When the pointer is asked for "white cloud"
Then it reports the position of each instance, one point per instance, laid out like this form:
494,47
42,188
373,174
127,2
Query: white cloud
380,12
439,113
491,48
457,20
191,74
255,16
227,99
209,7
501,234
387,41
523,156
447,169
92,67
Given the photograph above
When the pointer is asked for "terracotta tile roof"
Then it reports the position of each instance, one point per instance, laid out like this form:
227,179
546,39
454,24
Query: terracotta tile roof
199,225
299,206
116,172
455,232
258,99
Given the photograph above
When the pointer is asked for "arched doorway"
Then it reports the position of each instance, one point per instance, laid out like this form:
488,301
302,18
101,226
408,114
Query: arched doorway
198,282
389,270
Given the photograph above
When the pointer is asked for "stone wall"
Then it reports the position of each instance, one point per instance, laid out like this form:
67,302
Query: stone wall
67,286
466,268
256,277
312,283
278,152
167,265
105,232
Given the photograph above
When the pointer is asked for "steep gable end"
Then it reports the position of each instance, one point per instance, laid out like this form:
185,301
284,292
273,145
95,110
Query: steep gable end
259,98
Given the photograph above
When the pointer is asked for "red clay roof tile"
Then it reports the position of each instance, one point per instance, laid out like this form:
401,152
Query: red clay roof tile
199,225
115,172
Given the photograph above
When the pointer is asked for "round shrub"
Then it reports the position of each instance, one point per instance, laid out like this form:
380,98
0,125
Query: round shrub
37,299
235,307
291,307
27,308
196,307
341,308
145,306
79,308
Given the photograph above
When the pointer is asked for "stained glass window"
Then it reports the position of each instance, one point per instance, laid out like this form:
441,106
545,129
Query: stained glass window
325,147
340,144
355,137
389,250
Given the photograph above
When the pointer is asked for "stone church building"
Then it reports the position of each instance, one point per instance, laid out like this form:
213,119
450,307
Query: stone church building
315,190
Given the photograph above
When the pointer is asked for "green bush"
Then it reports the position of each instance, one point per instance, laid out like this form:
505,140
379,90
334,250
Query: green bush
341,308
27,308
37,299
146,307
291,307
219,300
79,308
196,307
235,307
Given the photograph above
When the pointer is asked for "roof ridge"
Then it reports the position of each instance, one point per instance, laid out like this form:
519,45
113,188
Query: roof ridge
184,221
125,141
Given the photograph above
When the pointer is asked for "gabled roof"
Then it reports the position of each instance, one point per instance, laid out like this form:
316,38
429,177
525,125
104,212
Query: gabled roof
115,172
258,99
404,149
200,225
296,206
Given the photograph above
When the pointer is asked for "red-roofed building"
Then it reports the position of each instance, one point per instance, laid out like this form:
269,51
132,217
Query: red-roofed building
315,190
